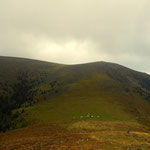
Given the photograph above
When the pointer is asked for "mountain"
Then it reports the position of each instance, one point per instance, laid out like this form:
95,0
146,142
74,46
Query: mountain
34,91
70,100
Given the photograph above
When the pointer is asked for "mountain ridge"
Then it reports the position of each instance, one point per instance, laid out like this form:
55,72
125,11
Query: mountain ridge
29,87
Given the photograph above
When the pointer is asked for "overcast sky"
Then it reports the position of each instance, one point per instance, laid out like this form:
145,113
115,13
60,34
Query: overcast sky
77,31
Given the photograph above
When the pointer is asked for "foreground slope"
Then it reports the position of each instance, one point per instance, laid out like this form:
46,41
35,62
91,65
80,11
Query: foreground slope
82,135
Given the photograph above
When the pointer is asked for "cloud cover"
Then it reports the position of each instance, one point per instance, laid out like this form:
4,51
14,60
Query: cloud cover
77,31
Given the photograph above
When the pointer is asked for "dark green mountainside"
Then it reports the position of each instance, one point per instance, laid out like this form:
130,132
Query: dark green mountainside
33,91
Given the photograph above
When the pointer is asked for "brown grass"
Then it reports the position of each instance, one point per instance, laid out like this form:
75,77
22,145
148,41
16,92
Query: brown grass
78,135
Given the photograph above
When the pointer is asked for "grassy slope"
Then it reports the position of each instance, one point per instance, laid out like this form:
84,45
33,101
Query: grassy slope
95,88
100,96
85,135
101,90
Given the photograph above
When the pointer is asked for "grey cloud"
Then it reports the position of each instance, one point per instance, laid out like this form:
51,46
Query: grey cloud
75,31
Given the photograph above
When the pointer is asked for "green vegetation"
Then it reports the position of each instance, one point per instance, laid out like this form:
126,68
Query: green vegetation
34,91
77,108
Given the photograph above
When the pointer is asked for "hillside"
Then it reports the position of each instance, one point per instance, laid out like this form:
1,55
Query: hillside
37,93
97,86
